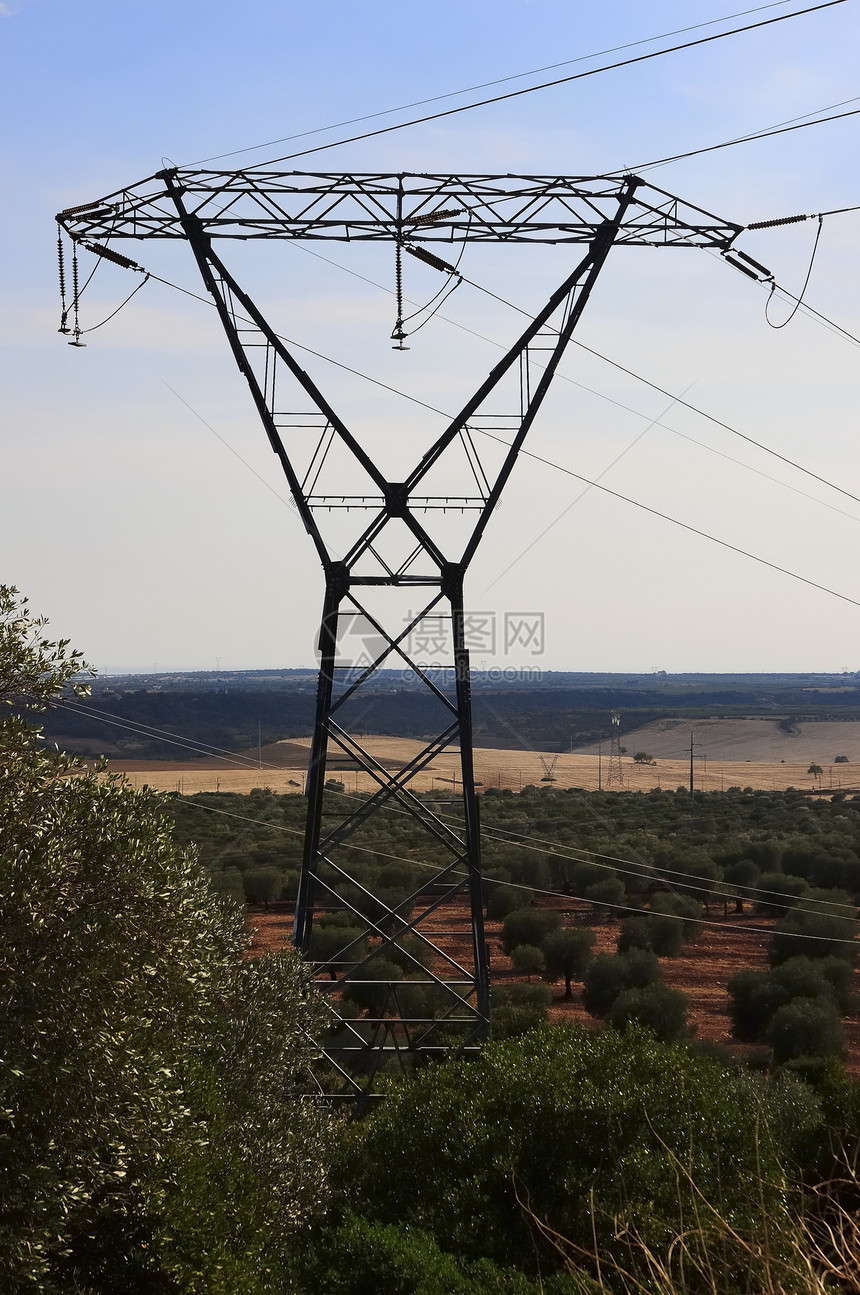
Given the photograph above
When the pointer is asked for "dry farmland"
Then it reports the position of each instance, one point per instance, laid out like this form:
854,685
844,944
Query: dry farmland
281,766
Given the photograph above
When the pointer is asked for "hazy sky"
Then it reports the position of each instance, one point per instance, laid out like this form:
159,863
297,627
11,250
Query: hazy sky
133,526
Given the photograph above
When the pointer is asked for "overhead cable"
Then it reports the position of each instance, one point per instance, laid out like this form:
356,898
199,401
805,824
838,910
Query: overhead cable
694,530
740,139
601,395
559,894
587,481
545,85
552,848
484,85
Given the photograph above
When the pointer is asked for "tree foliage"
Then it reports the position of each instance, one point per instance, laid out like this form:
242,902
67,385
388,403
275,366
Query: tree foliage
609,974
150,1136
528,926
805,1027
599,1136
360,1257
658,1008
568,953
518,1008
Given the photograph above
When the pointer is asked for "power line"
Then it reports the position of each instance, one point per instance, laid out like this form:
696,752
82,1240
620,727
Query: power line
226,443
743,139
596,484
552,848
620,404
830,323
679,400
484,85
659,872
586,480
655,512
163,735
645,870
546,85
556,894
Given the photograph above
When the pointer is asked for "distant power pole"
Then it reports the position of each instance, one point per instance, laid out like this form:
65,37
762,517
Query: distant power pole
692,744
615,772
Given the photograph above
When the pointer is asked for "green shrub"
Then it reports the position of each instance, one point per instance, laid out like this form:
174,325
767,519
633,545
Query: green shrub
757,995
658,1008
262,885
409,952
528,926
606,1137
754,996
518,1008
337,948
805,1027
398,876
567,953
738,879
823,926
607,896
528,959
684,910
361,1257
609,974
502,900
637,932
777,891
374,997
229,884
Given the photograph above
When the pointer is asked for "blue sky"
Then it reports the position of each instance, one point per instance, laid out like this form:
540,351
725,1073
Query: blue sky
148,542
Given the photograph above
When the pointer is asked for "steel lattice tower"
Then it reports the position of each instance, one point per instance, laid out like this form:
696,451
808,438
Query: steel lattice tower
615,773
402,542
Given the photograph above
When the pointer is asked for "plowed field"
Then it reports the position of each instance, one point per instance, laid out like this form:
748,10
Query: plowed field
702,972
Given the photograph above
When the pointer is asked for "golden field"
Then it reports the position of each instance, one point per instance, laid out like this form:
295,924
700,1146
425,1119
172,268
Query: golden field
281,766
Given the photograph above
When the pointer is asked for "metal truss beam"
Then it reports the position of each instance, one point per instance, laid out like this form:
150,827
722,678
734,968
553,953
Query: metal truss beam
260,203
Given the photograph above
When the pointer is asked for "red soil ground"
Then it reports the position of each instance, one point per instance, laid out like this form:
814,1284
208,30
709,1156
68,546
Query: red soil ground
702,972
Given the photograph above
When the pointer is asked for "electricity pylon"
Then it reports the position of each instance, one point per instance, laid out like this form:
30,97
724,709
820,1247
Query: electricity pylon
614,772
405,540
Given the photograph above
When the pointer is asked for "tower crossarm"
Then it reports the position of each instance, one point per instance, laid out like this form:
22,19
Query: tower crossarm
261,203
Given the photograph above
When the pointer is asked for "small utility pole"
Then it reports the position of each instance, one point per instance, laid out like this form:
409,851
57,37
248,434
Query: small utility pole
692,744
600,766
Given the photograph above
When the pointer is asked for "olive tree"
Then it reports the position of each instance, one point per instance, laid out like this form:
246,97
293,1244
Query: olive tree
600,1137
567,953
151,1136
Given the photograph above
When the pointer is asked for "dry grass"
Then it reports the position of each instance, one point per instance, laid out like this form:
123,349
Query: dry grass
284,764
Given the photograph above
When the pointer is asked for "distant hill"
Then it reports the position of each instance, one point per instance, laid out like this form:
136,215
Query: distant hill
791,740
170,716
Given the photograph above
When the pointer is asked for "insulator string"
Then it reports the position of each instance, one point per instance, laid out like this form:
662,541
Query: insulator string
64,314
398,335
75,298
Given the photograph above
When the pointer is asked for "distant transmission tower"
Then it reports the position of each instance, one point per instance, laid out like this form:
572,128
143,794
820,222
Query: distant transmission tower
405,975
614,773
